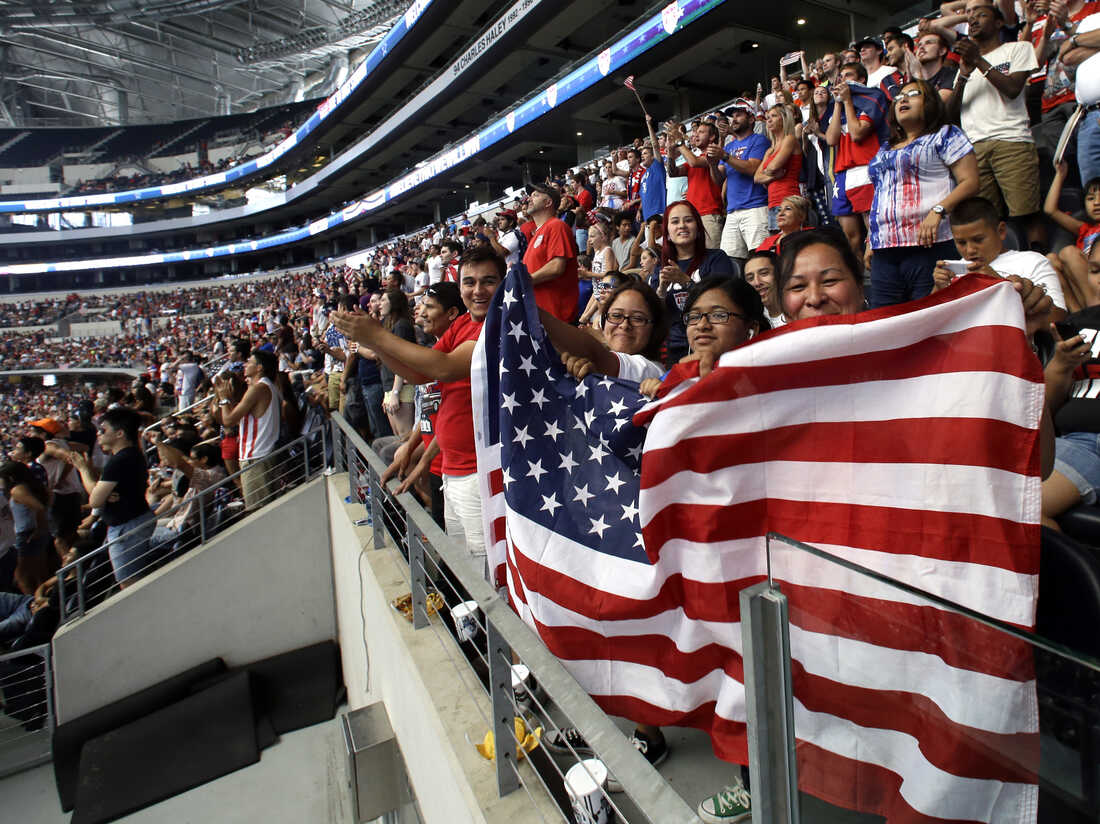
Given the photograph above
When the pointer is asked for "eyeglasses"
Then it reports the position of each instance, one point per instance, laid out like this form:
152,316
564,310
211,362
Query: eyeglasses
910,93
718,317
617,317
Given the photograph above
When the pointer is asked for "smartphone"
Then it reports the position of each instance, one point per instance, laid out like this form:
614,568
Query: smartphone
957,267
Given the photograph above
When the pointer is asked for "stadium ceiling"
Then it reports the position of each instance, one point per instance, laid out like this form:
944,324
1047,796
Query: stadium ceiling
108,62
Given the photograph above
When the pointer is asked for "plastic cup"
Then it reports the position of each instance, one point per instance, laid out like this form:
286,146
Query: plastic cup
465,617
586,786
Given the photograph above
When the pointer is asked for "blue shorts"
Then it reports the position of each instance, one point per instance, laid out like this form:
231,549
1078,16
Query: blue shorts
1077,456
854,192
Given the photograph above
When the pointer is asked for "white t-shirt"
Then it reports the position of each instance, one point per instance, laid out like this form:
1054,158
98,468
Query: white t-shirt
638,367
435,268
986,115
510,242
1034,267
423,280
189,375
1088,72
875,78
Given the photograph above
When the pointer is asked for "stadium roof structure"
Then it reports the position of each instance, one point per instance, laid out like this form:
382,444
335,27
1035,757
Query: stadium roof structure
117,62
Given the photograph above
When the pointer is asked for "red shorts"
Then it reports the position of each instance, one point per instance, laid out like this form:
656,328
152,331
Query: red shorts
229,448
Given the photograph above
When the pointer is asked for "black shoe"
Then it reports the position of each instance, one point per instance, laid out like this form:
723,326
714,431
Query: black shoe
566,741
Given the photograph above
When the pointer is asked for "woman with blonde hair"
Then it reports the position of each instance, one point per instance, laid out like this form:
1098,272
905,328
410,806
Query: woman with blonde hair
782,163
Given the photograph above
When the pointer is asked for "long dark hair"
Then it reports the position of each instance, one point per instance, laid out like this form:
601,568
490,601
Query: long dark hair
668,249
934,112
832,237
399,309
656,308
13,473
739,291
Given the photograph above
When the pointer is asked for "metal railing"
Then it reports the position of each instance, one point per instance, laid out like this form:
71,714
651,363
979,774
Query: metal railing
27,717
438,568
93,577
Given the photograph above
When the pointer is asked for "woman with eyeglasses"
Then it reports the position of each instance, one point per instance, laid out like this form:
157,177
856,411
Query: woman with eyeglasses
721,313
633,322
927,168
685,259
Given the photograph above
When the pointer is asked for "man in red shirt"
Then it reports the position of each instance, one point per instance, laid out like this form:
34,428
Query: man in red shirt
702,192
481,271
551,256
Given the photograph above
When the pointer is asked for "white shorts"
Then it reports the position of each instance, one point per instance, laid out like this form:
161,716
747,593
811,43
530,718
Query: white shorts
462,515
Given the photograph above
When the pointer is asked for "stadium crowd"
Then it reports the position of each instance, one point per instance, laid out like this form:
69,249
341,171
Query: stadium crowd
870,176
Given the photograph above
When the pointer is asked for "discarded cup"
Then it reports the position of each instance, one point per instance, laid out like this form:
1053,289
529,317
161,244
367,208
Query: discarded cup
521,677
586,786
465,617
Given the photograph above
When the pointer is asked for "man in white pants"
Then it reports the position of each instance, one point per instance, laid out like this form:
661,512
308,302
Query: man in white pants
481,271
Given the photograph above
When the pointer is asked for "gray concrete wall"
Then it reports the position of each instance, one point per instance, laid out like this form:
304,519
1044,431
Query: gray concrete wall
261,588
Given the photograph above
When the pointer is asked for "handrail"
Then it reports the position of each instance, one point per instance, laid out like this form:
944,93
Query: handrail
79,567
37,717
657,801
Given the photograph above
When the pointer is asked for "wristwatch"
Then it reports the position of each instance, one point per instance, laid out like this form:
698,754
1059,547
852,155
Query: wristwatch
1074,43
223,402
939,210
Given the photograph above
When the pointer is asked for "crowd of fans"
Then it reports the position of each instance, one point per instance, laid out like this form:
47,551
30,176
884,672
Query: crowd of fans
873,176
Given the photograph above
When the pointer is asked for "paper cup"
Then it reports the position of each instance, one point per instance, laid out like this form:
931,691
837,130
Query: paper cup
586,785
465,617
521,676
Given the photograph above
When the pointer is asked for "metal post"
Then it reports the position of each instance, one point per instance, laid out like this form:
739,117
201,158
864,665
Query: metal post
305,458
79,588
769,704
61,597
353,469
419,576
338,455
376,513
202,516
47,663
324,443
500,694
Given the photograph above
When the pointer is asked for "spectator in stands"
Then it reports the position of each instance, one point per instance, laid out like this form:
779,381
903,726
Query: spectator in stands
684,259
117,494
932,51
792,216
201,466
1080,52
613,188
853,127
551,256
703,192
188,377
256,410
507,239
623,242
979,235
1071,262
989,99
397,398
746,223
871,56
926,169
482,270
63,482
782,163
28,499
760,273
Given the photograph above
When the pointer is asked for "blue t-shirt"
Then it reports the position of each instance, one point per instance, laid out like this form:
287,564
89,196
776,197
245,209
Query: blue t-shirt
741,191
653,190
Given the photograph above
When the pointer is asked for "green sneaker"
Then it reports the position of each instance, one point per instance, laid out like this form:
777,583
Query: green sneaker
727,807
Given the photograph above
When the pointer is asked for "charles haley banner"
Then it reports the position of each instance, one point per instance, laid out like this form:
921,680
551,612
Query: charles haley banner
904,440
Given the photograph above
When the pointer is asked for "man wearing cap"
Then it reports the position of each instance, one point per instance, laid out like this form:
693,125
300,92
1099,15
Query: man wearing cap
506,239
746,224
551,256
989,101
449,362
870,54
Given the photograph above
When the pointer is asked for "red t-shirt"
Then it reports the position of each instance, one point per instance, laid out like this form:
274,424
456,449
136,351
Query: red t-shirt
559,296
850,154
584,198
528,229
450,271
454,422
703,193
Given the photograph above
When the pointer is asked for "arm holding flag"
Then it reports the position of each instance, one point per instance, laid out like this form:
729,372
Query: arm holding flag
576,344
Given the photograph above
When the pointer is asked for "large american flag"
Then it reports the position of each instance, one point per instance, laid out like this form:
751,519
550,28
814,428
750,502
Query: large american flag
904,440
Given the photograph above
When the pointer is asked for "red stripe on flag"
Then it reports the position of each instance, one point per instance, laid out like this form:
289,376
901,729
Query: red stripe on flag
496,481
959,641
947,536
960,441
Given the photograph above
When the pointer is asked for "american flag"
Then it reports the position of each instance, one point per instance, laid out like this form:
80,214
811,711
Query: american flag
629,82
904,440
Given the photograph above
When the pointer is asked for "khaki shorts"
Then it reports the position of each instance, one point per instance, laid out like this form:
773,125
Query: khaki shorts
257,483
1008,175
713,224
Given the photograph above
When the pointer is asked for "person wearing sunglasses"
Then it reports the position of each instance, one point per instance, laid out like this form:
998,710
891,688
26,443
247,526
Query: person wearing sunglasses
601,289
925,170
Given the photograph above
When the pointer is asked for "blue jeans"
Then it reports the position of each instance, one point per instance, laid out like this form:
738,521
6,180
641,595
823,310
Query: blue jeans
904,273
372,399
582,239
1077,457
131,555
15,615
1088,146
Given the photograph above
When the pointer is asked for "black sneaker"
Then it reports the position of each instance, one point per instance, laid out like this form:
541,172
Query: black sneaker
566,741
655,752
